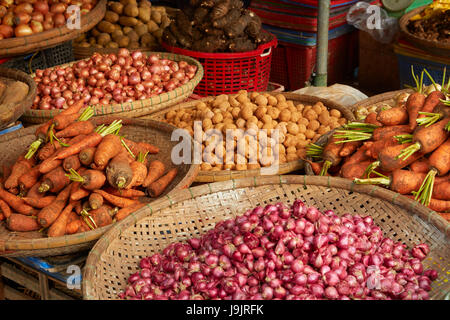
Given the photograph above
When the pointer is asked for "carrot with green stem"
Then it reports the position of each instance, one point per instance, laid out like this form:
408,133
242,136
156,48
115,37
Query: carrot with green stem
41,137
426,139
314,151
100,217
355,131
400,180
78,192
89,179
117,201
139,169
159,186
442,110
349,148
29,179
72,162
421,165
155,170
330,154
441,191
433,99
91,140
439,162
415,101
354,170
50,213
108,148
81,126
54,181
143,147
371,118
33,192
382,133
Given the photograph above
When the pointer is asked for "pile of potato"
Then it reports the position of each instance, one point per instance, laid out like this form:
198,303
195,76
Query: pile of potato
298,125
128,24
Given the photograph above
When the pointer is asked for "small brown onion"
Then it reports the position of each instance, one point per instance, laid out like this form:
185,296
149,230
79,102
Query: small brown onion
102,67
116,67
59,102
156,78
61,79
99,75
59,20
36,100
92,81
70,102
128,61
46,91
93,70
81,64
118,98
124,80
179,75
39,73
44,105
139,87
131,70
165,77
101,83
146,74
69,76
104,101
121,61
58,8
84,73
67,94
182,64
114,75
153,58
36,26
63,87
148,84
94,100
53,76
45,80
174,66
108,61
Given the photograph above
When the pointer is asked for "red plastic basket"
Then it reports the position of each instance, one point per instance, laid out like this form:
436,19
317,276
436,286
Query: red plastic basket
293,64
227,73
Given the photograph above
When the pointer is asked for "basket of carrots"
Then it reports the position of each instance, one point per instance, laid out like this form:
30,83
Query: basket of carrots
65,182
405,148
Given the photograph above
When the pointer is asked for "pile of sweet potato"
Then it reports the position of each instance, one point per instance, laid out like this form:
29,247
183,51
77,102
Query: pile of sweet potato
76,177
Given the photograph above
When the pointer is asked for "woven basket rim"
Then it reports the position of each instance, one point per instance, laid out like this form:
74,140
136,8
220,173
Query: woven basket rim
27,102
284,168
379,98
428,45
45,243
150,104
427,215
49,38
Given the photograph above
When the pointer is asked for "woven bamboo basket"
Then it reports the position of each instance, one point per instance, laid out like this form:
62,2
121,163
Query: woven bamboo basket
284,168
436,47
85,52
21,45
9,116
15,244
137,108
190,213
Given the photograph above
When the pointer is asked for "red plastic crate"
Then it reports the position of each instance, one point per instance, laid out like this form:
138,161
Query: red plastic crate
227,73
293,65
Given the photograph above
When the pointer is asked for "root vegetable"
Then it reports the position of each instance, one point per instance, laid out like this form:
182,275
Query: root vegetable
156,188
22,223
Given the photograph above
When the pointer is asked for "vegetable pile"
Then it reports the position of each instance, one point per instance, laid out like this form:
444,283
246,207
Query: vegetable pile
254,114
405,148
23,18
128,24
216,26
280,252
433,23
109,79
76,177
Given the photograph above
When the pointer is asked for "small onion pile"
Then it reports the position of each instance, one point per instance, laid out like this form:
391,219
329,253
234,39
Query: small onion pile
23,18
110,79
276,252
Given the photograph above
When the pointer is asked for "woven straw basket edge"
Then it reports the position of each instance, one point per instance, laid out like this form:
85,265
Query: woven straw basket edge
424,214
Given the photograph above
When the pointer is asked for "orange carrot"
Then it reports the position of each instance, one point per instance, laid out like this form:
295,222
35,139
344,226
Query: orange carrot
120,202
439,205
16,203
95,200
72,162
400,180
22,223
143,147
414,104
155,171
19,168
354,170
390,131
6,172
432,100
157,188
75,108
330,154
49,214
54,181
2,217
375,148
126,193
29,179
441,191
372,119
47,150
39,203
349,147
49,164
34,191
118,172
139,171
58,228
107,149
77,192
393,116
76,128
62,121
389,161
86,156
421,165
101,216
4,207
41,134
89,179
125,212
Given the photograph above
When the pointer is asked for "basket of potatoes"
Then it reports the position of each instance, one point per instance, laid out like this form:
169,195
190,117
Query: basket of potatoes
131,24
300,119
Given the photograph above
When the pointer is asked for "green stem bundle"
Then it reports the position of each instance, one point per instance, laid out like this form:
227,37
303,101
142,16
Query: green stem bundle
423,195
314,151
404,138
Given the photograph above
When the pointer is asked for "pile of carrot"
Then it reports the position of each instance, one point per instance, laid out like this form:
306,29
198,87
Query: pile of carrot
405,148
76,177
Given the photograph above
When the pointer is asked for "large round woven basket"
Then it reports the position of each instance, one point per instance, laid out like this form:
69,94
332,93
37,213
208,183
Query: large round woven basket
14,244
433,46
136,108
9,116
284,168
192,212
21,45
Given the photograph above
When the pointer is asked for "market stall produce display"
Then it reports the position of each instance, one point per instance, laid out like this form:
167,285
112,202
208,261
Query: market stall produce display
298,119
127,24
288,237
404,148
216,26
29,26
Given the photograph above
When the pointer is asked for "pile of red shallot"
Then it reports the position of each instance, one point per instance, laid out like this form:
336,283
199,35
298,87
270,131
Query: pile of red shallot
276,252
108,79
